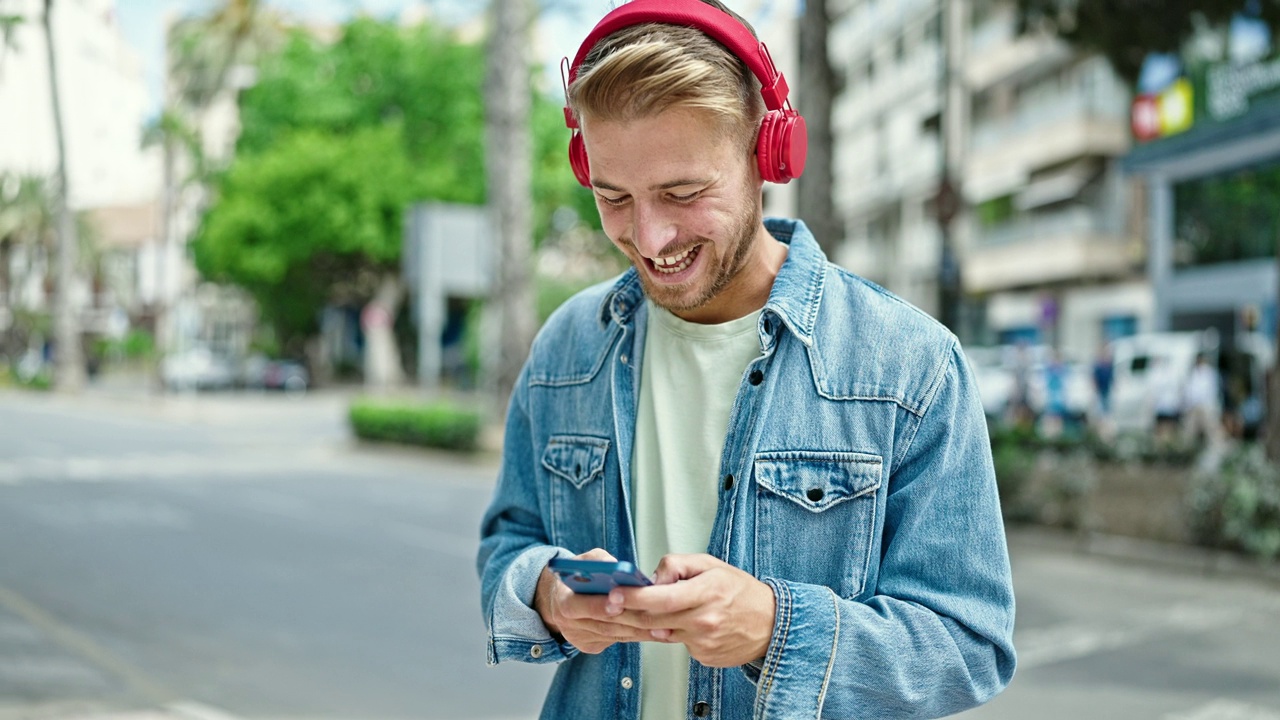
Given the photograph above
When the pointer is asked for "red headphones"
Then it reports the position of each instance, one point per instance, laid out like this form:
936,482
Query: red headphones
783,140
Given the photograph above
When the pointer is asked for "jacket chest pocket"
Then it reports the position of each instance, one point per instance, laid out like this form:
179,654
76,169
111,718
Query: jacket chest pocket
576,464
815,517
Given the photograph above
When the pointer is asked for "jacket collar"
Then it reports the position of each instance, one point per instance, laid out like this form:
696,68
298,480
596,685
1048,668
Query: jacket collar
796,293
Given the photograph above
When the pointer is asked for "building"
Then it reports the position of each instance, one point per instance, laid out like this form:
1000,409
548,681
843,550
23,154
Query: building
888,148
111,177
1049,248
1054,250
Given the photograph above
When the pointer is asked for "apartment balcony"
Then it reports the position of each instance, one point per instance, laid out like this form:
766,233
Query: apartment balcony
1047,248
994,54
1004,154
869,23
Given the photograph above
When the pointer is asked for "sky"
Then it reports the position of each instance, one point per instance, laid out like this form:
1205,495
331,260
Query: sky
142,22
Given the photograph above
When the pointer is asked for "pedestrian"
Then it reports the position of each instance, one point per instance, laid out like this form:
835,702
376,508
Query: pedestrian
1202,404
1165,393
798,459
1103,377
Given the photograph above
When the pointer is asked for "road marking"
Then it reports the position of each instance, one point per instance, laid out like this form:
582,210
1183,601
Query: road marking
198,711
1225,709
83,646
1045,646
154,466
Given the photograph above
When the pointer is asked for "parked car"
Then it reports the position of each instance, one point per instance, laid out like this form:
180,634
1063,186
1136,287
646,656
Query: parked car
267,374
198,368
995,372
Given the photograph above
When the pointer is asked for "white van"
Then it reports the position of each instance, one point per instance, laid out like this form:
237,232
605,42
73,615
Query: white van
1134,357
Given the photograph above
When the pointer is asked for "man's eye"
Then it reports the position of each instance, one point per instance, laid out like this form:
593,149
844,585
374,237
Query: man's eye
615,201
686,198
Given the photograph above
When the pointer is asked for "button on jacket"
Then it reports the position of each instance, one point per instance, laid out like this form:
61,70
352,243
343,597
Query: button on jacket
855,480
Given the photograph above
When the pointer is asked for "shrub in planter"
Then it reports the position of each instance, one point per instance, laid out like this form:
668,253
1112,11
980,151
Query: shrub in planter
439,425
1238,507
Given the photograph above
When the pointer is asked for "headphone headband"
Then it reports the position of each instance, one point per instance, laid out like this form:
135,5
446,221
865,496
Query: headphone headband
782,141
695,14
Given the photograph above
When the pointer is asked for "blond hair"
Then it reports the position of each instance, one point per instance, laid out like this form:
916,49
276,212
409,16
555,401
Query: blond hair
643,70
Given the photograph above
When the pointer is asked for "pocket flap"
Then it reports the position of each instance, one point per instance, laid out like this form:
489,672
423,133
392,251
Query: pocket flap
575,458
818,480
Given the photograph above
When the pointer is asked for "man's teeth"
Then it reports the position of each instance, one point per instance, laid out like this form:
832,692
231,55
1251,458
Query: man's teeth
675,263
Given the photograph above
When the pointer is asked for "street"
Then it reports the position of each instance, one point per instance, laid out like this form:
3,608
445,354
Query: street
238,556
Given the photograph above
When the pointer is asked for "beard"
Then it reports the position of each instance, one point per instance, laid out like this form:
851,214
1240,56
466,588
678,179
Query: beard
729,264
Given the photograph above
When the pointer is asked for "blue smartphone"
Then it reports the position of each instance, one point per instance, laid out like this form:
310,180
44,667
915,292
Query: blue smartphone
597,577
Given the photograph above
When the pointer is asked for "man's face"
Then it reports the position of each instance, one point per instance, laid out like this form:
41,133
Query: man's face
682,200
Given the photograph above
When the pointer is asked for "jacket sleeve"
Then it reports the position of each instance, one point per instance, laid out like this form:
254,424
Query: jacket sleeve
936,637
514,549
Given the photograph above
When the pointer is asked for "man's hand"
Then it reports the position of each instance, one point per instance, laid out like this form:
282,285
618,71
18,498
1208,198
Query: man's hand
722,614
581,619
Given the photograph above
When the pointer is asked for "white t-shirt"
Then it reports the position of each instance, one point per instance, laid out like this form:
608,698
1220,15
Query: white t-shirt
689,380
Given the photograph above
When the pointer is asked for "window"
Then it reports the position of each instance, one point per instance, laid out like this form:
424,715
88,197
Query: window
1227,218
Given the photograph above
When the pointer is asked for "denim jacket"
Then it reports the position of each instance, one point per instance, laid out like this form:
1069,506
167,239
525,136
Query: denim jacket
856,481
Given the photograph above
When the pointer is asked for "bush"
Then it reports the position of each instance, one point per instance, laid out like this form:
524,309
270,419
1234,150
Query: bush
1238,508
433,425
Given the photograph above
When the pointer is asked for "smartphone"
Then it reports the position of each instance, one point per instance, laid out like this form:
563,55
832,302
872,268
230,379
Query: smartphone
597,577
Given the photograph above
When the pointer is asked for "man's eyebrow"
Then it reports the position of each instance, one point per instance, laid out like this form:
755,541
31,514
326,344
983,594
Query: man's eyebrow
602,185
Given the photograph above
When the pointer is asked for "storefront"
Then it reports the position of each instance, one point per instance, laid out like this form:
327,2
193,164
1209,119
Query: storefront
1211,168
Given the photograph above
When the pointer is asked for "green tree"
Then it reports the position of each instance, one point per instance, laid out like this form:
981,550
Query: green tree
313,220
1126,31
418,91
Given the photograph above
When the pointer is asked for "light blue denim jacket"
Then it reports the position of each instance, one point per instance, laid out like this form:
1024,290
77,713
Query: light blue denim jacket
863,493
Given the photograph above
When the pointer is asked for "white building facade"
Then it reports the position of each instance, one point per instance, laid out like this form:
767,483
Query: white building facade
104,105
1049,238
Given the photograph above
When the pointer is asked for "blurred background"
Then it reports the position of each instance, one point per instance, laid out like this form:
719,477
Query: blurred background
268,269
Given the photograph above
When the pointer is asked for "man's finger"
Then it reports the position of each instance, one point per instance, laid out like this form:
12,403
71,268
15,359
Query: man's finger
656,600
673,568
596,554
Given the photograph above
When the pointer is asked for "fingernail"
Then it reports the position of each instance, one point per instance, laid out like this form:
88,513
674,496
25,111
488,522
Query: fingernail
611,609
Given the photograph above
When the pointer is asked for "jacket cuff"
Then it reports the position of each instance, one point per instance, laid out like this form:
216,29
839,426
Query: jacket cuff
806,629
516,630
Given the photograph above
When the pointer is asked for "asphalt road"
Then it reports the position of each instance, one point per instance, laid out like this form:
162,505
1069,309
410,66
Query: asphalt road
240,557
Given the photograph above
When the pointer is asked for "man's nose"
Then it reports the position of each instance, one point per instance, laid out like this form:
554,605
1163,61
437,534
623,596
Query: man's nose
652,229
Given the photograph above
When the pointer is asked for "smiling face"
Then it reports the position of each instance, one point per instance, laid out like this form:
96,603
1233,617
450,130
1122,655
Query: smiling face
680,197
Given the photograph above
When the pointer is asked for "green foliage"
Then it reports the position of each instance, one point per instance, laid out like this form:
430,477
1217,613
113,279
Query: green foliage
377,73
136,345
337,140
1125,32
439,425
1229,217
314,215
1238,508
995,211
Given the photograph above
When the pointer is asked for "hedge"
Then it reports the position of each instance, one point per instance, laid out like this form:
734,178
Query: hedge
439,425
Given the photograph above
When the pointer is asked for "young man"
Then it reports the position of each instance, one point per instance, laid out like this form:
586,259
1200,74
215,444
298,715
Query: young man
799,458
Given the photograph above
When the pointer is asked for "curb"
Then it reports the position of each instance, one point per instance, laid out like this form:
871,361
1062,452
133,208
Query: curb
1187,558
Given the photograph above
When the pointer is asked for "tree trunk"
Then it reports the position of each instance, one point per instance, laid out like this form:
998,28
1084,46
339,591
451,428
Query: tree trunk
69,373
382,368
816,92
1273,397
509,168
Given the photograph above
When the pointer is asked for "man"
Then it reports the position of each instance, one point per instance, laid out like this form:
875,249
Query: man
799,458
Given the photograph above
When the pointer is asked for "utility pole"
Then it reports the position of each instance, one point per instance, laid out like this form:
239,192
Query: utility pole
69,374
948,199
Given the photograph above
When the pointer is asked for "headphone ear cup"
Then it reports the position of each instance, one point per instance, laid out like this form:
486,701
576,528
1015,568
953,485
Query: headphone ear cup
765,156
578,159
782,146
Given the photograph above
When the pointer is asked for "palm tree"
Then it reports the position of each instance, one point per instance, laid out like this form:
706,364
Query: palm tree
69,373
26,221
